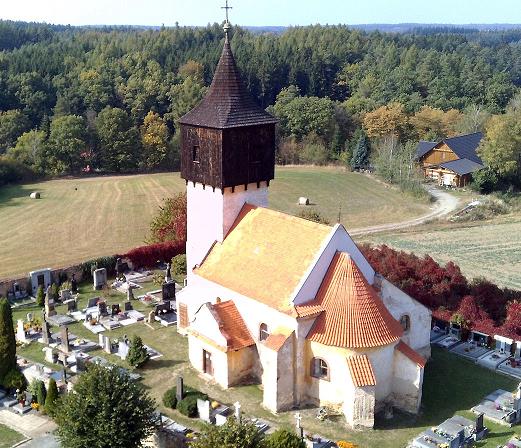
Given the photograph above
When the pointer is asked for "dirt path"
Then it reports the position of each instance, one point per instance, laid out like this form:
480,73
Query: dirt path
445,204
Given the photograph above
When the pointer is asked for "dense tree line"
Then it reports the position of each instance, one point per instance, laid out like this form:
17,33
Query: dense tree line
74,99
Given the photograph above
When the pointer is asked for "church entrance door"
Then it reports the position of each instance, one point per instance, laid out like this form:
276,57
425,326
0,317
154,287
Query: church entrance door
207,363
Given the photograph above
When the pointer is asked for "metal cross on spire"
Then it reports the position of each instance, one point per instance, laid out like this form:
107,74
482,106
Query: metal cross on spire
226,8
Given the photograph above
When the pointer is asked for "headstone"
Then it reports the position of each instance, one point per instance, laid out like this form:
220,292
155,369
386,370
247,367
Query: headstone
151,317
115,309
88,318
46,334
74,284
203,408
101,340
237,412
127,306
130,293
168,274
20,331
118,268
92,302
64,375
99,278
102,308
107,346
49,304
29,317
299,429
49,354
72,305
479,423
123,349
180,390
62,357
168,290
65,294
65,339
80,363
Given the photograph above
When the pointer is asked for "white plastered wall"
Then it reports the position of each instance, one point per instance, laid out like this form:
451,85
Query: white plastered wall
219,359
399,303
407,383
211,213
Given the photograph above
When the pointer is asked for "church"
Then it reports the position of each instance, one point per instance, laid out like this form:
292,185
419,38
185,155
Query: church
277,300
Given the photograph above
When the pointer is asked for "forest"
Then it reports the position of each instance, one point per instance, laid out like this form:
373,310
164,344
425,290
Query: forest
106,99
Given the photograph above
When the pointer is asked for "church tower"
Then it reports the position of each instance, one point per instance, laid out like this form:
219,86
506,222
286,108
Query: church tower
227,157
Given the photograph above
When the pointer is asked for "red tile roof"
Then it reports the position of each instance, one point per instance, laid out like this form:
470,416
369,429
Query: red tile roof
354,316
361,371
277,339
413,355
232,325
308,310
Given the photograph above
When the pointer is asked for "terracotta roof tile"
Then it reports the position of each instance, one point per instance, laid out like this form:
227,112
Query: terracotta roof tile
308,310
265,255
277,339
354,316
411,354
361,371
232,325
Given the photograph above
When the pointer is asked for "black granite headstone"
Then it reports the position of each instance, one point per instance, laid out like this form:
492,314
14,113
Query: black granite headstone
168,290
180,392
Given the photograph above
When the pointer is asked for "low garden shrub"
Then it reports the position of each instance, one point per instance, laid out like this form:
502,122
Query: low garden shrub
170,398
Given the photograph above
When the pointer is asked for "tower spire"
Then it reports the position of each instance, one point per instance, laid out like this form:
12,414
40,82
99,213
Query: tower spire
227,22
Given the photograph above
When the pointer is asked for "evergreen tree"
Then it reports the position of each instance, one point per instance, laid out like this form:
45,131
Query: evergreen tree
360,153
40,296
137,353
232,434
51,400
282,438
106,410
41,393
7,340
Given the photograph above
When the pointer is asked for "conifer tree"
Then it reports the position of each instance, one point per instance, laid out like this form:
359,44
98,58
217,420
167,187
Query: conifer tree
137,354
40,296
7,340
360,153
51,398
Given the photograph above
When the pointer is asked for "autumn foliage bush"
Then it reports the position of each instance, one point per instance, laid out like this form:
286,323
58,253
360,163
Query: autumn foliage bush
148,256
477,305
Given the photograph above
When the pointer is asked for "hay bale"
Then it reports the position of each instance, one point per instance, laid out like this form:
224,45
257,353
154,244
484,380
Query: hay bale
35,195
303,201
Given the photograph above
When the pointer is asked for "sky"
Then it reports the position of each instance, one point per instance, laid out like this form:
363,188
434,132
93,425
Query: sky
261,12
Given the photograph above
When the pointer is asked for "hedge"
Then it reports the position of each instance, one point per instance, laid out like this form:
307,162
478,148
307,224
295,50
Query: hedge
148,256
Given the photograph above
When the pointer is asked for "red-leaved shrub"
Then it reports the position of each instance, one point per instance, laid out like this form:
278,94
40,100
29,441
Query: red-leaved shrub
148,256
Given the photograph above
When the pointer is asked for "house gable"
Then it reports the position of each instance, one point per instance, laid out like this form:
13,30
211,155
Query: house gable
205,323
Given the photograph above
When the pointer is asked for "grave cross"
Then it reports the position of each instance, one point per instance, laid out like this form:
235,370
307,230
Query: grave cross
298,418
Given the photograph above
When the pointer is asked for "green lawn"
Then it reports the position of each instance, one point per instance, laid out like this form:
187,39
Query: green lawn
79,219
452,385
9,437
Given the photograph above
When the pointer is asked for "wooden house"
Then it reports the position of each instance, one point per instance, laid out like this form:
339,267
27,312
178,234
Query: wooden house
452,161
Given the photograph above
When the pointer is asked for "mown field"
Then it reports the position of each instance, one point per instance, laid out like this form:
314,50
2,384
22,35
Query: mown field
452,385
79,219
490,249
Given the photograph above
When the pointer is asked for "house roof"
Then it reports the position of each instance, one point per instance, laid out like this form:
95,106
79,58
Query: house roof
361,371
465,146
424,147
232,326
228,103
462,166
265,255
413,355
276,340
354,316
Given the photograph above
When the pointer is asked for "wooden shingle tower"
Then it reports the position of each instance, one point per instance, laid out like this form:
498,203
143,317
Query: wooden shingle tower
227,157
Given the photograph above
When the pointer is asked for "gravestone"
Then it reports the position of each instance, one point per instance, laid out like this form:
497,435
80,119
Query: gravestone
479,423
102,308
151,317
115,309
49,354
46,334
64,375
237,412
80,363
92,302
29,317
88,318
99,278
74,284
65,294
20,331
101,340
130,293
127,306
168,274
72,305
49,304
180,389
118,268
62,357
123,349
168,291
107,346
203,408
65,339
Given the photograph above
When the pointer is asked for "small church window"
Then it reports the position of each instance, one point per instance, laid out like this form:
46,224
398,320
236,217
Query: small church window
405,322
196,153
319,369
263,332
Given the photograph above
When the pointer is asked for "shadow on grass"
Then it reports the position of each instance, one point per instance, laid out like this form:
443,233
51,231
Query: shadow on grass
10,193
451,384
155,364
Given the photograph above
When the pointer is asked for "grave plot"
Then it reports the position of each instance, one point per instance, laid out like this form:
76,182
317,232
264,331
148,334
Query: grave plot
470,350
448,342
501,407
493,359
512,367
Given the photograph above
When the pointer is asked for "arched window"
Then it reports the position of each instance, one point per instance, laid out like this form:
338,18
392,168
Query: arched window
405,322
263,332
319,369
